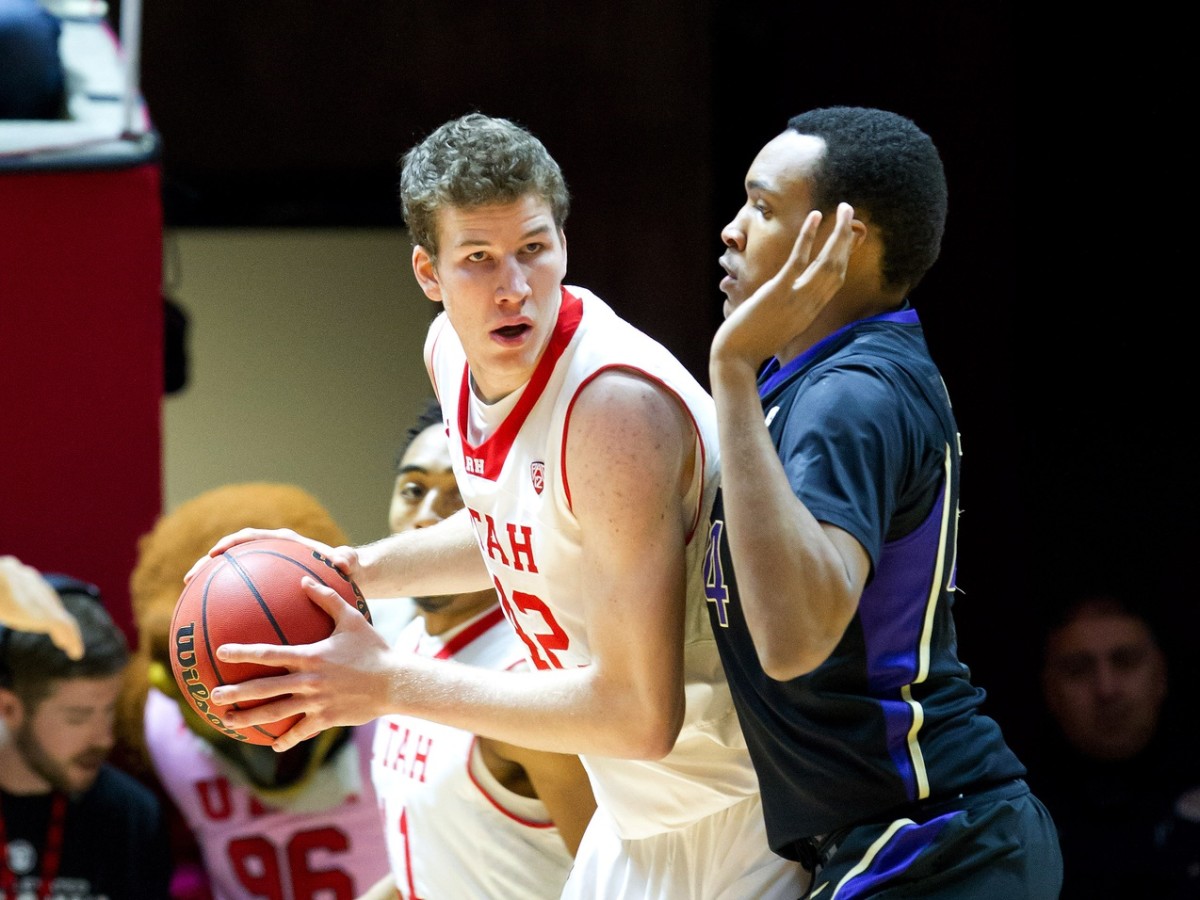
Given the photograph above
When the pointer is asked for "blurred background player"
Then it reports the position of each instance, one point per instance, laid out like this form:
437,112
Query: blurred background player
72,826
466,816
1118,765
288,825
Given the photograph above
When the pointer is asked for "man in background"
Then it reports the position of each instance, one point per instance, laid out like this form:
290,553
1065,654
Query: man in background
71,825
1118,767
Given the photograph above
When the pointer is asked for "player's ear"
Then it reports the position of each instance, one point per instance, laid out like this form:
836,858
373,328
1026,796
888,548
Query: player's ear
12,710
860,229
426,273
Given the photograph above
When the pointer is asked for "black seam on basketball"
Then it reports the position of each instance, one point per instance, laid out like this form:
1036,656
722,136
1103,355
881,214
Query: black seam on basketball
262,729
262,604
292,560
213,662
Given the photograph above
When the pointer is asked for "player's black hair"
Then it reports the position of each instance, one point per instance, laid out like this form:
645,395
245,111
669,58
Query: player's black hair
431,415
30,662
883,164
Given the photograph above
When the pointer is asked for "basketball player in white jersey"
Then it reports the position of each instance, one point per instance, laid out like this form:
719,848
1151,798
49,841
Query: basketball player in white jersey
466,816
586,457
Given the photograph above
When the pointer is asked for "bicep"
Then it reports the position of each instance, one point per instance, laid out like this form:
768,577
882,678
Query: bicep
630,454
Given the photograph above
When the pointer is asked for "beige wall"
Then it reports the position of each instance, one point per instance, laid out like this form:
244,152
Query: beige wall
305,364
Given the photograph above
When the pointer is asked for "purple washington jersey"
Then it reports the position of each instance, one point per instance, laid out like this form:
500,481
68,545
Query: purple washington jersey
863,427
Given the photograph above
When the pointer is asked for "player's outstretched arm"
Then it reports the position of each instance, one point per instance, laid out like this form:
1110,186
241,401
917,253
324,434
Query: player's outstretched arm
441,559
629,459
29,603
799,581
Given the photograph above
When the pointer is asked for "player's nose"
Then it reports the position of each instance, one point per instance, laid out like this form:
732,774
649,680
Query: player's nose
429,512
512,283
733,235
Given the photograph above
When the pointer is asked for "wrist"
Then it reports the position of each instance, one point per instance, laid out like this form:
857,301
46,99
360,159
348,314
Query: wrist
733,371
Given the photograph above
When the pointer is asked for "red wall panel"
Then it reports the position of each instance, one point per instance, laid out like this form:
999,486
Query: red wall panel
81,370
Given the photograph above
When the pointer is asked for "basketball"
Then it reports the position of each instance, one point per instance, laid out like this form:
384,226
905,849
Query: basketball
250,594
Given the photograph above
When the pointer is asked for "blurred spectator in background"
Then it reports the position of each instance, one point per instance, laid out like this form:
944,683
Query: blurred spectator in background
32,81
72,826
1119,774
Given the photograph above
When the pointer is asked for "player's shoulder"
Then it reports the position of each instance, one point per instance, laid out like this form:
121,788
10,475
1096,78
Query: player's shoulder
626,400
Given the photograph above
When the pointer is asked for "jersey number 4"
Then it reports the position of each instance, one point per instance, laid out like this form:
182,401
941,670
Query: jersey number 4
714,576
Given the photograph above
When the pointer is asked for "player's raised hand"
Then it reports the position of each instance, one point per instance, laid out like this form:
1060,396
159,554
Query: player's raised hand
29,603
344,559
340,680
790,301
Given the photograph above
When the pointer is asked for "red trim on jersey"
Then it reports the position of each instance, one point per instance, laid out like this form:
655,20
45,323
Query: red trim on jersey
429,366
653,380
520,820
411,877
494,451
470,633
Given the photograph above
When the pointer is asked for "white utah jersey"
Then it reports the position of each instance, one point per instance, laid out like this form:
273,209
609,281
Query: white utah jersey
326,845
452,829
516,487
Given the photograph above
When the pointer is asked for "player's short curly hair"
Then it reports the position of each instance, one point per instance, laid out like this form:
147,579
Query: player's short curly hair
471,161
883,164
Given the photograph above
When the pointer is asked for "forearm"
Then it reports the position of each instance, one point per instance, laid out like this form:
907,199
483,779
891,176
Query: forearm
794,589
441,559
571,711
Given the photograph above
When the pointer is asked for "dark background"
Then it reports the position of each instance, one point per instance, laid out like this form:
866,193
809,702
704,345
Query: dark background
294,114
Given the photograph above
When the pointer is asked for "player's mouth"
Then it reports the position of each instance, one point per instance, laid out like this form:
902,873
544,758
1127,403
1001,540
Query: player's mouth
730,276
511,334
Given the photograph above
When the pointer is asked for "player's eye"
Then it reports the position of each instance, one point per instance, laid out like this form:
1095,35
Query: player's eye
477,256
762,209
411,491
532,247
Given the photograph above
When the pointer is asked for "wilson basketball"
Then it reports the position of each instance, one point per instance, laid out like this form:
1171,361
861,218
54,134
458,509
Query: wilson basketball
250,594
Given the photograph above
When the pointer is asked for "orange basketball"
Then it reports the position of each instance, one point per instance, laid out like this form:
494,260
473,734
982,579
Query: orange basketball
250,594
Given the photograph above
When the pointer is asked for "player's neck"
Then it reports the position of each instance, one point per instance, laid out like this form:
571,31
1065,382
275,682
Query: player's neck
842,311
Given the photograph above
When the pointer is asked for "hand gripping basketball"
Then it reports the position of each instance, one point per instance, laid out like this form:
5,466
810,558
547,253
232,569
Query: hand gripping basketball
250,593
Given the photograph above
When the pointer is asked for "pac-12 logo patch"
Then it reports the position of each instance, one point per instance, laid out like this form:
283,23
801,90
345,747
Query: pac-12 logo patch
537,474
